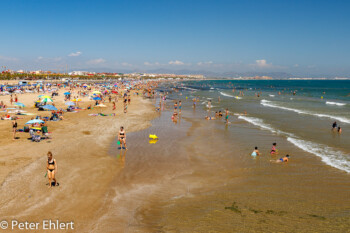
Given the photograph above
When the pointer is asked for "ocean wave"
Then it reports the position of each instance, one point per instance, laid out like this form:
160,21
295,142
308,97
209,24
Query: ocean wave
232,96
335,103
260,123
272,105
227,95
328,155
272,95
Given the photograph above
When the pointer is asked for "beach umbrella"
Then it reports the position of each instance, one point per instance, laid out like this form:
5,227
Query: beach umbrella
40,96
49,107
20,105
96,92
66,93
96,98
34,121
69,103
46,100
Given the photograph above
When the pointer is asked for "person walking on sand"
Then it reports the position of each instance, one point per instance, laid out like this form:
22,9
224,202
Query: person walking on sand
14,127
11,100
52,168
114,108
16,99
122,138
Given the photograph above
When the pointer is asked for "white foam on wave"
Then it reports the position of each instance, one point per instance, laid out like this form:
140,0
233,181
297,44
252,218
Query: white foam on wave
192,89
272,95
227,95
260,123
272,105
328,155
335,103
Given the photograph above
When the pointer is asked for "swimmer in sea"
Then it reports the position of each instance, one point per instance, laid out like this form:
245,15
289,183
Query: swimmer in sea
209,118
273,149
339,130
281,160
255,152
334,126
180,106
175,107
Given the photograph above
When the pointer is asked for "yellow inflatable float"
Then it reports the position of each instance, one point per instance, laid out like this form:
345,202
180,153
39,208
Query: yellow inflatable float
153,136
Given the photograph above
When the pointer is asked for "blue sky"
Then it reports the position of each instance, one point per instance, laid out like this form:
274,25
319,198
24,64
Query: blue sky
299,37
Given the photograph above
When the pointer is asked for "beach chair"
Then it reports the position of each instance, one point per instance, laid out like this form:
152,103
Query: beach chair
45,132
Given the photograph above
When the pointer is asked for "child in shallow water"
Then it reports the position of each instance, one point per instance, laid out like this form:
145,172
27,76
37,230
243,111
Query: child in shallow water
281,160
273,149
255,152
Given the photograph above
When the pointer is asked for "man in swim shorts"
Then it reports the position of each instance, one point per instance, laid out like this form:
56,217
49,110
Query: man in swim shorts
281,160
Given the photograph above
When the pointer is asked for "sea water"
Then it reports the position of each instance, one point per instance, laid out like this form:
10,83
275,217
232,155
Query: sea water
301,111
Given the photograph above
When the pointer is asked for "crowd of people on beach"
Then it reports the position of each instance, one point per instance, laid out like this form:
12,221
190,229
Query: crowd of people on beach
100,93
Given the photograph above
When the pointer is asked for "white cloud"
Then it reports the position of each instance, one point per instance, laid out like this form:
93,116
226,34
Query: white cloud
75,54
48,59
176,62
262,63
8,58
151,64
126,64
204,63
96,61
296,65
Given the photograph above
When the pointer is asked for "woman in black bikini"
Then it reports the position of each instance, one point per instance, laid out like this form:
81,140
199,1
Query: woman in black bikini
122,138
51,169
14,127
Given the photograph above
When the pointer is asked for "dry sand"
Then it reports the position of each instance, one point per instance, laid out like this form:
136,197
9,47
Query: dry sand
80,146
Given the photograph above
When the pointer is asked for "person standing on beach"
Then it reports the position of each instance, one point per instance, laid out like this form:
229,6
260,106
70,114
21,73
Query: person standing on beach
11,100
122,138
14,127
114,106
16,99
194,102
226,115
51,167
180,106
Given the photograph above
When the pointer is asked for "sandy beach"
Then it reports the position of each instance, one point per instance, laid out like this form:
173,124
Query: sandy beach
198,177
80,145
